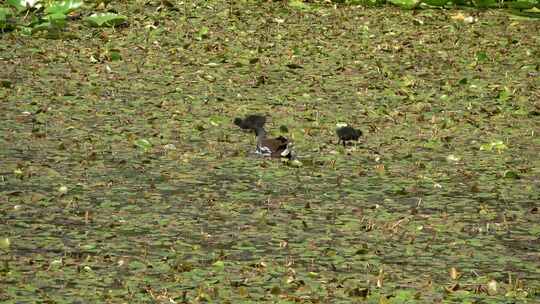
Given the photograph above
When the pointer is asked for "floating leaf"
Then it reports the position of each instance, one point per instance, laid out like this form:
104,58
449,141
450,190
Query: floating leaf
405,296
63,7
5,243
6,83
23,5
5,14
202,33
300,5
436,2
504,95
52,23
62,189
105,19
451,158
114,55
511,174
216,120
143,144
295,163
492,287
481,56
485,3
530,13
406,4
497,145
220,265
522,4
57,19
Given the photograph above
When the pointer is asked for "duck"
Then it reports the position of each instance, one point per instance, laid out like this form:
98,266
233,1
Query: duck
250,122
273,147
347,133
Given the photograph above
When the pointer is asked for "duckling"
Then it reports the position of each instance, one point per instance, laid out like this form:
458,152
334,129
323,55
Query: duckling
251,122
273,147
347,133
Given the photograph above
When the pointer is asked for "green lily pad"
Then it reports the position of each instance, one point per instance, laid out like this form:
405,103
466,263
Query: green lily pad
105,19
5,243
495,145
522,4
530,13
299,5
435,2
406,4
23,5
56,18
202,33
511,174
143,144
485,3
5,14
505,95
219,265
295,163
114,55
482,56
52,22
63,7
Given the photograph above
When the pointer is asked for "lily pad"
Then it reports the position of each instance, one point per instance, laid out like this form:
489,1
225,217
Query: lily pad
485,3
23,5
181,210
530,13
143,144
52,22
202,33
5,14
495,145
299,5
63,7
5,243
406,4
522,4
436,2
511,174
105,19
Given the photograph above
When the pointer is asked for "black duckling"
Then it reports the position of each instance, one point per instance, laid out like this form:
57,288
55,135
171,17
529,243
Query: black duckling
251,122
347,133
273,147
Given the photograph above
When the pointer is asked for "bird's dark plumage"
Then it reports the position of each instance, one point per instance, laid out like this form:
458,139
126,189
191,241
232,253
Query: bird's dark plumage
347,133
250,122
273,147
